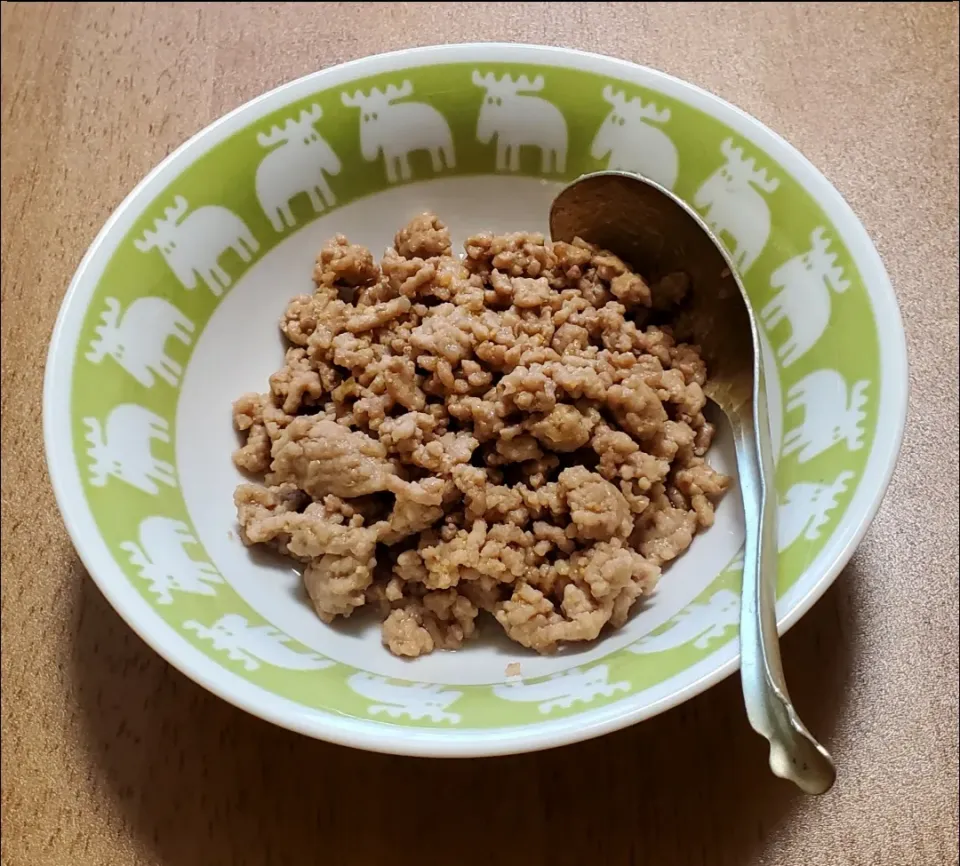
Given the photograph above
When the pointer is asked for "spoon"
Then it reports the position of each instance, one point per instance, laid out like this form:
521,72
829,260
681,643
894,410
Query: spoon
648,226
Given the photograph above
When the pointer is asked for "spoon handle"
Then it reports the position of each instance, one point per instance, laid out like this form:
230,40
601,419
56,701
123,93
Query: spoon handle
794,753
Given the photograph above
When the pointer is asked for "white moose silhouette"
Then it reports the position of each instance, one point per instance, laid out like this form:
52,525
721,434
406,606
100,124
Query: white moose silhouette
804,282
192,246
296,167
519,121
633,144
160,559
121,448
136,340
733,204
700,623
414,700
400,129
563,689
830,415
252,644
806,508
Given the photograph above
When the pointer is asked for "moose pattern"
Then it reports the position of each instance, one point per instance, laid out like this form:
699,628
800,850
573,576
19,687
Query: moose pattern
398,129
563,689
414,700
519,120
193,243
733,206
292,164
160,559
632,142
806,509
122,448
298,166
831,414
252,645
803,285
701,624
137,339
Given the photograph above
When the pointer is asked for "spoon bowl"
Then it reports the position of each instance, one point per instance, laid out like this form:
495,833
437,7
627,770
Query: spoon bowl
663,238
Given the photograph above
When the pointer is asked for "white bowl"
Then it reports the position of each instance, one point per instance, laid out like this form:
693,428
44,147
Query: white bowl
153,344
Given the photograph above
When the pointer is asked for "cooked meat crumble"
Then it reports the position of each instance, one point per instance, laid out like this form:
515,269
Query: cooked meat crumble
508,431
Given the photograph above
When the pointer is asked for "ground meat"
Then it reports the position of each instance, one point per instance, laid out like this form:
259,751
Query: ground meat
422,238
340,263
598,511
516,432
254,455
324,457
336,583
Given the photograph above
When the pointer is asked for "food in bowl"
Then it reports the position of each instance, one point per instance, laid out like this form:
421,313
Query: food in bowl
161,546
516,431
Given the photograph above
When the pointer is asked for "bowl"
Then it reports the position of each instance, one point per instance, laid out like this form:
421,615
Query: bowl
172,314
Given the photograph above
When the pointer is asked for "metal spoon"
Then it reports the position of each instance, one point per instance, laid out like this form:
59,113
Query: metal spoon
659,234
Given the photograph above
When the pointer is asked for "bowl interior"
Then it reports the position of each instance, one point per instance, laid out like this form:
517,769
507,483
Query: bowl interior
174,314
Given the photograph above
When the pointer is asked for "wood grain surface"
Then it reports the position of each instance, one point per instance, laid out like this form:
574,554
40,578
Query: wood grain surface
111,757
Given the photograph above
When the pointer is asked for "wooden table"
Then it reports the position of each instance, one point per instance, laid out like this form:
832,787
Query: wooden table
111,757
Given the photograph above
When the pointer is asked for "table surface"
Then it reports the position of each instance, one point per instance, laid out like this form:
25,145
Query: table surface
112,757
